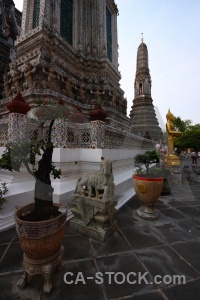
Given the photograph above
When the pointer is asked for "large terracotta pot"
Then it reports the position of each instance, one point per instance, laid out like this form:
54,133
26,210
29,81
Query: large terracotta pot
41,243
148,191
40,239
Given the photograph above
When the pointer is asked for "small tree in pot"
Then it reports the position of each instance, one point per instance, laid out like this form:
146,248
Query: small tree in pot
147,186
24,153
40,225
3,190
146,159
165,173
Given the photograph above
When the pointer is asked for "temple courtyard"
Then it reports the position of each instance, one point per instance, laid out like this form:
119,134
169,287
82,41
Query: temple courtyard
141,260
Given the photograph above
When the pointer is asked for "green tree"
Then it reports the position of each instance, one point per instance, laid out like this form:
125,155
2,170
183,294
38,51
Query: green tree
24,153
182,125
194,127
146,159
189,139
3,190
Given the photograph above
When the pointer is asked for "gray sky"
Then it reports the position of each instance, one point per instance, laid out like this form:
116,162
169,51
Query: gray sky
171,33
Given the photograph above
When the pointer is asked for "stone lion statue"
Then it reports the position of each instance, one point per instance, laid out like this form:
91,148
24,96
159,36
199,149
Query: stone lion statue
98,184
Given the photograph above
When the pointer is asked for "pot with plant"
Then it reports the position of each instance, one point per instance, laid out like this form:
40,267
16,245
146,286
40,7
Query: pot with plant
165,173
148,187
40,225
3,190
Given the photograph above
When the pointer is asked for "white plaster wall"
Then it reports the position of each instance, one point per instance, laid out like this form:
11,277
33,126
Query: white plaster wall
73,163
94,155
2,149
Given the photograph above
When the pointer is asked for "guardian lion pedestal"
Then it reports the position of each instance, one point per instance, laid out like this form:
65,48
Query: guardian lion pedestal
93,204
93,217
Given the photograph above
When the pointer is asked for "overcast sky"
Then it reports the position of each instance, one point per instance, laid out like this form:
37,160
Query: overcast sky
171,33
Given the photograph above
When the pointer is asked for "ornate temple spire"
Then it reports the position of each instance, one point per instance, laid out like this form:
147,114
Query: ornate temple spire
143,78
142,57
143,117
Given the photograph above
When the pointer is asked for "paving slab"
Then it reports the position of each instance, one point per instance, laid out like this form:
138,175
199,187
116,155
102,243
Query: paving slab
125,220
124,280
172,233
167,246
10,290
191,211
192,227
177,203
7,235
191,202
115,244
12,259
173,214
162,261
190,290
155,295
142,237
190,251
76,247
2,251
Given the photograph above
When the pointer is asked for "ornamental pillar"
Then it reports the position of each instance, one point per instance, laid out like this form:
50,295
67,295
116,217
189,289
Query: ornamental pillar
59,129
59,133
98,116
17,119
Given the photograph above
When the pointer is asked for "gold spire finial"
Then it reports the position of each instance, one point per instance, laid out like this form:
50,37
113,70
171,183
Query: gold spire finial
169,114
142,38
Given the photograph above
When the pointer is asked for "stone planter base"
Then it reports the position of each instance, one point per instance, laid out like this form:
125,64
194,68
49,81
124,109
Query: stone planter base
147,213
45,267
93,217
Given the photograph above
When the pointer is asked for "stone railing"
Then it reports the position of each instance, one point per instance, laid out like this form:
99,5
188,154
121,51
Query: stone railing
116,138
89,135
69,135
81,133
35,132
95,135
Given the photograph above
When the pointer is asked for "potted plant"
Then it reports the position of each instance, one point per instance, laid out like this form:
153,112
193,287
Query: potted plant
165,173
147,186
40,225
3,190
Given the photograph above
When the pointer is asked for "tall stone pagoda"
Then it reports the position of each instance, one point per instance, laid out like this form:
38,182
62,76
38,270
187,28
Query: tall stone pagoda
68,49
67,54
143,117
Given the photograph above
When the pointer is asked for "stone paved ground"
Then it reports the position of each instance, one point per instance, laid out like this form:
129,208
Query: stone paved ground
166,247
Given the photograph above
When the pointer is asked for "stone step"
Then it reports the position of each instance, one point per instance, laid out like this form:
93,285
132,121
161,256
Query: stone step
5,176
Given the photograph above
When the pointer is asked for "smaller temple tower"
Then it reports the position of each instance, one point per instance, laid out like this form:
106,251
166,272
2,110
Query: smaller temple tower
143,118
